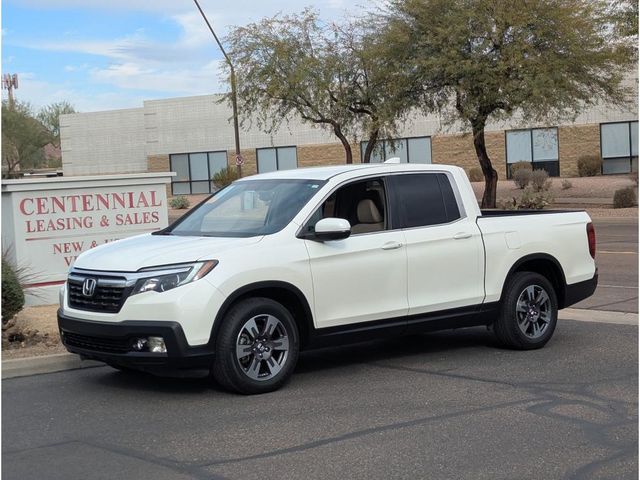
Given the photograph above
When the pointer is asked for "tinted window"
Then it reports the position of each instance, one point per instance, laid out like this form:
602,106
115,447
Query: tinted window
424,199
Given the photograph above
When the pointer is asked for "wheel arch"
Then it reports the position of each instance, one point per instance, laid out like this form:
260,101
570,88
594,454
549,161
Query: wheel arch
547,266
290,296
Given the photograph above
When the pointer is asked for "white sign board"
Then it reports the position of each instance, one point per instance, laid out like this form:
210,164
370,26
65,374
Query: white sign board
47,223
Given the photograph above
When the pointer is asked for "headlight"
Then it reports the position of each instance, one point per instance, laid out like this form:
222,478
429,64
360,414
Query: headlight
172,276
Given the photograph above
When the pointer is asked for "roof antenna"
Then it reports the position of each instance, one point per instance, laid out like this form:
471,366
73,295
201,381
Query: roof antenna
393,160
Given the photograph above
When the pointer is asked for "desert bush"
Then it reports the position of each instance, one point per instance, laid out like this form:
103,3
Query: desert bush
589,166
536,200
225,177
522,177
530,199
12,293
540,180
475,174
624,198
521,166
566,184
180,202
633,176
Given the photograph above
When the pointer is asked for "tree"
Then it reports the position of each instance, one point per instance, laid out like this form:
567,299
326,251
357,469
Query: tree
23,139
327,75
49,116
482,60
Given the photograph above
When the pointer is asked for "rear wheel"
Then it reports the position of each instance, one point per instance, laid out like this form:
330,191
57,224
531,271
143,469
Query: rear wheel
257,347
529,312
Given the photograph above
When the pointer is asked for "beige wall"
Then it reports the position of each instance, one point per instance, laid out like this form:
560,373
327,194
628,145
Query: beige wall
573,143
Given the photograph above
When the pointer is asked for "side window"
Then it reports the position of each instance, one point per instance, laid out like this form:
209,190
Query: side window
362,203
424,199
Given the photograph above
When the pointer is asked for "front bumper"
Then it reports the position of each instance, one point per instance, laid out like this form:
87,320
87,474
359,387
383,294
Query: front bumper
111,343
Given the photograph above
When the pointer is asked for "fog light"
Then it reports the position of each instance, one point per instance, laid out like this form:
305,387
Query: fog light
156,345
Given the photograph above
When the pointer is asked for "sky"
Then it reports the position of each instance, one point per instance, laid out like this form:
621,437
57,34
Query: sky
110,54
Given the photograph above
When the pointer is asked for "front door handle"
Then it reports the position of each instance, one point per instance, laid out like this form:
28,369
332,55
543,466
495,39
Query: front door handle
391,245
461,236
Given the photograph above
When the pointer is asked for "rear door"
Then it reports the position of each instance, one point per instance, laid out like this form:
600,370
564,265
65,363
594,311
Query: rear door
445,255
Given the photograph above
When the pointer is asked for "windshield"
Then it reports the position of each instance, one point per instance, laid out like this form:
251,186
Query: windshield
249,208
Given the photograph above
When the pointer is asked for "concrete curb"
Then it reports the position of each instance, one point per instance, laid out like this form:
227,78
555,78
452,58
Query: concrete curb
22,367
601,316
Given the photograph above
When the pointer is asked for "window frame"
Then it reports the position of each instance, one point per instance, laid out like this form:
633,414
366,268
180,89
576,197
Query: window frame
406,140
393,219
397,216
277,158
191,181
388,222
630,157
533,161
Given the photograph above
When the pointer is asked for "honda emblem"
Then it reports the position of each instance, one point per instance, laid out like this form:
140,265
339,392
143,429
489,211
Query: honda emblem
89,287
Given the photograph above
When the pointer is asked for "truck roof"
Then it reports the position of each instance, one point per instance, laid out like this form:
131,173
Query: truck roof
325,173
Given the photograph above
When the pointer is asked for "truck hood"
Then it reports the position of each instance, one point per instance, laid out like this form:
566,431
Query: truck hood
134,253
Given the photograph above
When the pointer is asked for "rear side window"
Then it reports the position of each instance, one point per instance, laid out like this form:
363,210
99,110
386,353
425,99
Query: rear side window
424,199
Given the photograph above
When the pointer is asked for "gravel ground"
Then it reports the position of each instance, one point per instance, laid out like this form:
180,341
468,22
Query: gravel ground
581,187
43,320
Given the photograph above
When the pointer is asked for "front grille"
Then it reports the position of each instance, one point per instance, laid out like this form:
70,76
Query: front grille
99,344
108,297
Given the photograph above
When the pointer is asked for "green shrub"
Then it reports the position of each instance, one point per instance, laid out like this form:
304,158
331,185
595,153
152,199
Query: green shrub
624,198
522,177
530,199
179,203
566,184
475,174
540,180
225,177
589,166
12,293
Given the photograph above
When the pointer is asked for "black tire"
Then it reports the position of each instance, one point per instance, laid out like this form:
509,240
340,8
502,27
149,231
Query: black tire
229,371
510,323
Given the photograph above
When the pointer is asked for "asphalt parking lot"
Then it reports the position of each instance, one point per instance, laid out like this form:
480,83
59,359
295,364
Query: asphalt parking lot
617,259
446,405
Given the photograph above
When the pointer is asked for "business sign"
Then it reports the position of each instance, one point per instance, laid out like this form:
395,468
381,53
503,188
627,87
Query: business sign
47,223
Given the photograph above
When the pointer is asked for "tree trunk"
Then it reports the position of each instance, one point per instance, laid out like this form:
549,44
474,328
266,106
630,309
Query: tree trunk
345,143
371,144
490,175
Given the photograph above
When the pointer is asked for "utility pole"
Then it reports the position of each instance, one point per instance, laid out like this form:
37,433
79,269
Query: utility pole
234,99
9,83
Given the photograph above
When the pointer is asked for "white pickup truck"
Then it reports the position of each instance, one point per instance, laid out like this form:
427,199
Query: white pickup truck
293,260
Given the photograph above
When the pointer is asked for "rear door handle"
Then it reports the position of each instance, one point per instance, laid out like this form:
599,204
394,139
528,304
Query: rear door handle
391,245
461,236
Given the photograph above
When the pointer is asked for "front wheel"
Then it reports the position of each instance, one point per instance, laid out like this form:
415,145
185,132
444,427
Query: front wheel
529,312
257,347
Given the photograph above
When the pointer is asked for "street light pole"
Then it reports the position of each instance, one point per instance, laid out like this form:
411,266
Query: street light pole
234,99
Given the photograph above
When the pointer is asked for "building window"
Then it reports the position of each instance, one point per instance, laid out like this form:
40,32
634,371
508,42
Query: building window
194,171
409,150
277,158
619,147
536,145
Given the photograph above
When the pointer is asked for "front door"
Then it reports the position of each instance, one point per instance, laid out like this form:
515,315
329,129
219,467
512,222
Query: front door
363,277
